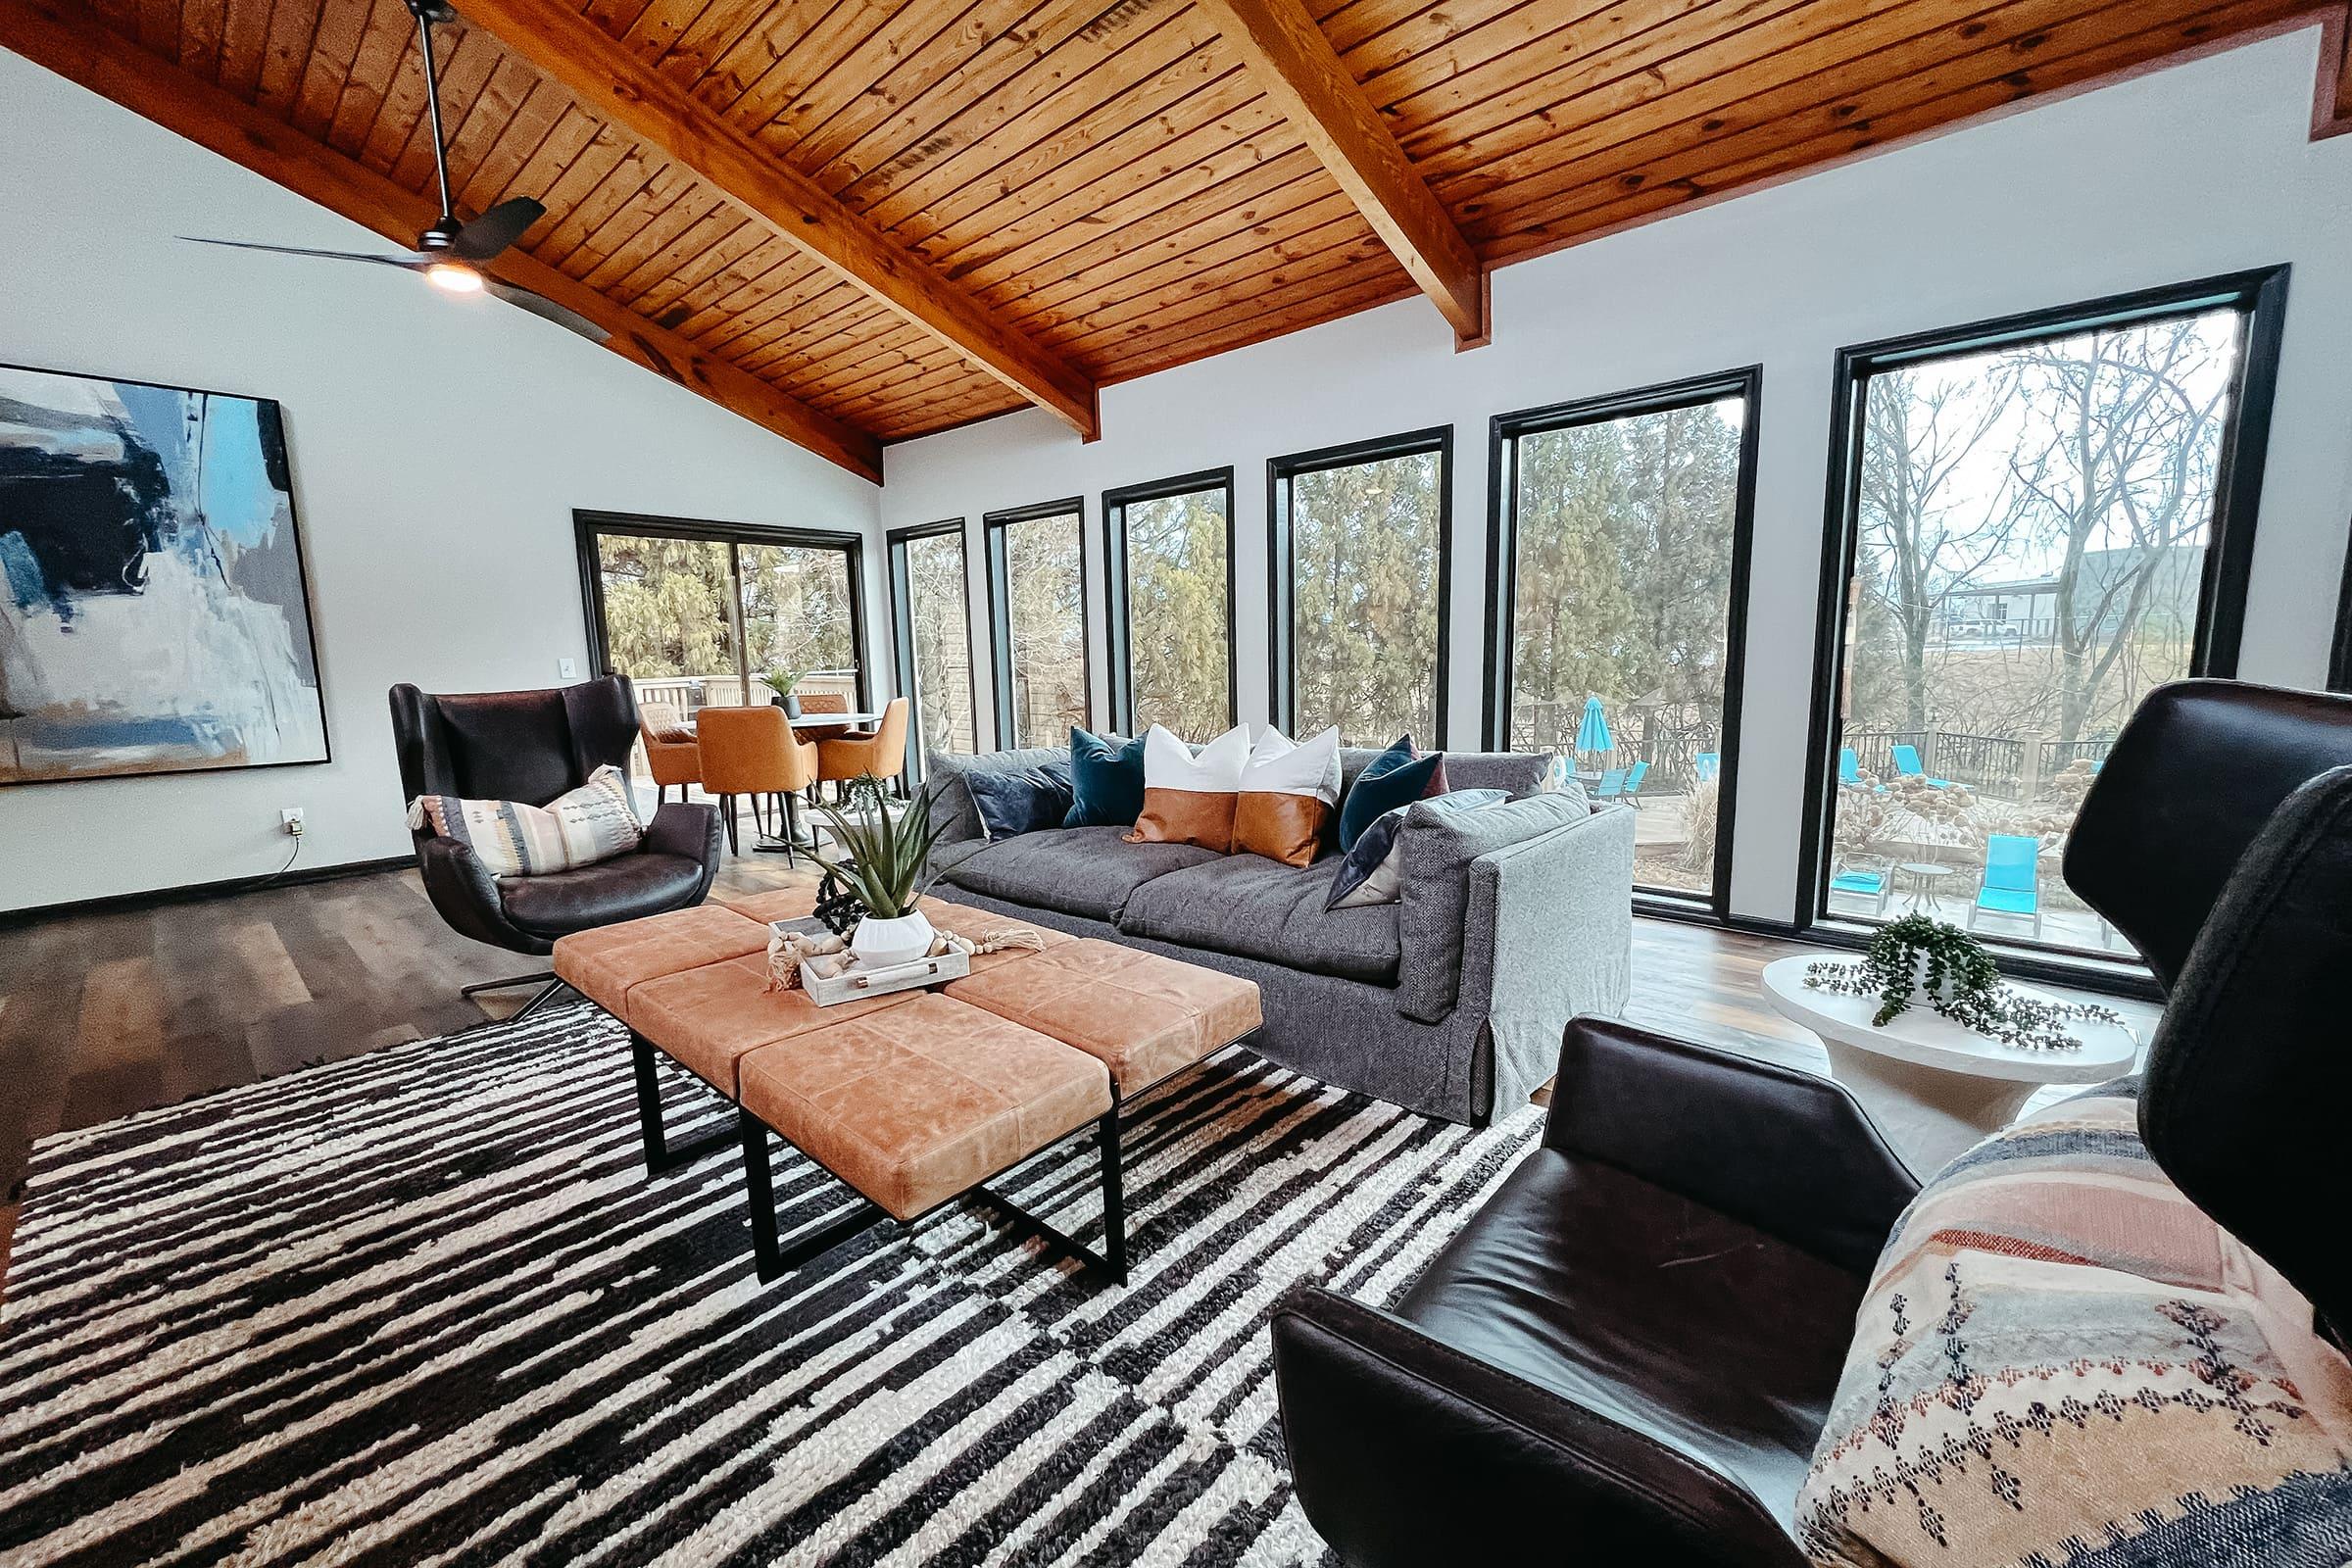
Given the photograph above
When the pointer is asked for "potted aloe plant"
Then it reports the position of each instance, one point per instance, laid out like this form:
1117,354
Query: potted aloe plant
887,871
781,681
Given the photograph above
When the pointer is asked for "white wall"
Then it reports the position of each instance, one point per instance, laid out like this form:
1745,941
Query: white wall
2200,170
439,449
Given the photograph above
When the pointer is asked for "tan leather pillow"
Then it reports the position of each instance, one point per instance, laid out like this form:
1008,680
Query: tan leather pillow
1289,794
1188,799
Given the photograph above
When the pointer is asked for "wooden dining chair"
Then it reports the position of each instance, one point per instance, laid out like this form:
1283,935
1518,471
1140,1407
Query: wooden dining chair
751,751
670,749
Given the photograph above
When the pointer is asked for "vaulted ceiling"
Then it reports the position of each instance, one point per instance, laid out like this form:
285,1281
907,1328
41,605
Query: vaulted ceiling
856,222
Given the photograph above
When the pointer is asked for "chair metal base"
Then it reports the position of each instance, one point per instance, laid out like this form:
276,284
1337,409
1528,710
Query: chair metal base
545,979
774,1259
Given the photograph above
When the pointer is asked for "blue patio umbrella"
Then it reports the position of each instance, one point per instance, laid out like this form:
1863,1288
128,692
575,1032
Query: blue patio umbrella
1592,731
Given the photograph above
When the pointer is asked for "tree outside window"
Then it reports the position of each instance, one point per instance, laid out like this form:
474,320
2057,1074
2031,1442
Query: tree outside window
1363,544
1179,635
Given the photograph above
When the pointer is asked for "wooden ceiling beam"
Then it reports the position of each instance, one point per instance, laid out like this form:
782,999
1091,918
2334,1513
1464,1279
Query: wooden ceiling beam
2332,109
69,38
1288,55
612,81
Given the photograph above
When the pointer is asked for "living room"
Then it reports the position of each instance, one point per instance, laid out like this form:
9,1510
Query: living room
1275,784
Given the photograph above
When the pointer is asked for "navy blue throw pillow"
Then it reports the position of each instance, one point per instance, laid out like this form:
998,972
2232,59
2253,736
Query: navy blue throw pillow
1398,776
1016,801
1106,781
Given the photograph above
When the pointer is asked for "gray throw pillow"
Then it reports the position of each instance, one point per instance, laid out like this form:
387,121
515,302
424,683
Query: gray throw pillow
1371,871
1439,846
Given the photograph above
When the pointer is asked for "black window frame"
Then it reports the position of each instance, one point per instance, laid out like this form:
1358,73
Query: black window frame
902,622
1502,579
1281,608
999,607
2259,294
588,524
1117,621
2340,653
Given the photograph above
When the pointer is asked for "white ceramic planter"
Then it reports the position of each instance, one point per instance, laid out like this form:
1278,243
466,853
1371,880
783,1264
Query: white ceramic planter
879,944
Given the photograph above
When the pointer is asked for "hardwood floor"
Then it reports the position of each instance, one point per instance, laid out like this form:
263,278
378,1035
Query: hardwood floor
111,1013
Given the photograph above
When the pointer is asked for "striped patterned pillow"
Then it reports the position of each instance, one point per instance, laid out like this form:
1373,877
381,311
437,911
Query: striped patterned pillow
592,823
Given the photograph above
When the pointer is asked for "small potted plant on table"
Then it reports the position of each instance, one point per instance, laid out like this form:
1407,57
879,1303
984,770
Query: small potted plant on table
782,682
886,868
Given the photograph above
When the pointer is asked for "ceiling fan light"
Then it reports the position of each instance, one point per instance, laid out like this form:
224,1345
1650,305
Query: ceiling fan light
455,278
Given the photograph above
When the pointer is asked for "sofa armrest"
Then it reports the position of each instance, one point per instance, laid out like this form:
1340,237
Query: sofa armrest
1548,935
1405,1451
1439,849
1788,1152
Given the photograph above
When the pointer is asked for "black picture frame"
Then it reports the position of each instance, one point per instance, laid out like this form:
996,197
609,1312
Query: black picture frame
271,414
1117,620
1503,565
902,622
588,525
999,607
1281,599
2259,295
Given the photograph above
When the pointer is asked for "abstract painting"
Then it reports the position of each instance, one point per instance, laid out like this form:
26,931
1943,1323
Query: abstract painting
154,616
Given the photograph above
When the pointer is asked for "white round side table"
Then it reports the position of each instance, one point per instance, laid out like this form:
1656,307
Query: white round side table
1933,1086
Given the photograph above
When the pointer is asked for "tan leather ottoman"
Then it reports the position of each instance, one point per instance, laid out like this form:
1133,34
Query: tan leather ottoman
925,1102
1143,1016
609,963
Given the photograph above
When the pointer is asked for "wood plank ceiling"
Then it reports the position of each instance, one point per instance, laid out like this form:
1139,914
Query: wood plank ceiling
1109,183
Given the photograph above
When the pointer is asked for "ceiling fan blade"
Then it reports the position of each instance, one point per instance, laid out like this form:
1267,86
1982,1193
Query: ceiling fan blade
495,229
540,305
408,259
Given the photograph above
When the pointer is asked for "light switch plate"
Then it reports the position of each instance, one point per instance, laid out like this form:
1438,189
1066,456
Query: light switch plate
567,669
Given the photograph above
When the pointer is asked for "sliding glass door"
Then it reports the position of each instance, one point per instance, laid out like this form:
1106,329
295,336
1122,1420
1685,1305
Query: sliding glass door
694,613
1619,552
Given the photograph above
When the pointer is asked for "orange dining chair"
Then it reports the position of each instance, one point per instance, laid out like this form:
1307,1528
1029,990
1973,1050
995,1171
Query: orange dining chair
815,704
671,750
883,753
751,751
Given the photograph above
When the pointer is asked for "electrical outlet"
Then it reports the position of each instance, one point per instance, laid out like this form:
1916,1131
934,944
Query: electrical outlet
291,819
567,669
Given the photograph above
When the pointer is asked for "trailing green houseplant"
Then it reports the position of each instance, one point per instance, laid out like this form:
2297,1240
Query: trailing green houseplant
1916,957
887,867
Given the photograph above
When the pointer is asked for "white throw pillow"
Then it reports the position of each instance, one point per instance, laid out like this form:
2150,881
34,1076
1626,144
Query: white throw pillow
514,837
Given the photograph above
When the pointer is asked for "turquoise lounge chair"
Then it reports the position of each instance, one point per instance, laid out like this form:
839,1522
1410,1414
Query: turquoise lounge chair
1633,783
1849,772
2012,881
1875,883
1611,785
1906,762
1707,765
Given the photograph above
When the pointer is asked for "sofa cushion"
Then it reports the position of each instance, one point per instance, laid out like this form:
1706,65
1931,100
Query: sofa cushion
2053,1272
1435,889
1258,909
1087,871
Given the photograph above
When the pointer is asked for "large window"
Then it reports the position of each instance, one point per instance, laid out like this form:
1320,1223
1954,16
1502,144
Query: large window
1618,566
2040,519
1172,604
1037,604
695,612
1357,540
934,628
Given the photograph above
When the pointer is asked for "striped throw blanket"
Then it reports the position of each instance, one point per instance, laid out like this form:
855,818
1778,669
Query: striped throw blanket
2063,1363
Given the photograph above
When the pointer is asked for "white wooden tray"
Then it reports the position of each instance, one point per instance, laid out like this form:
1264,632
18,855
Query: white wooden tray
827,983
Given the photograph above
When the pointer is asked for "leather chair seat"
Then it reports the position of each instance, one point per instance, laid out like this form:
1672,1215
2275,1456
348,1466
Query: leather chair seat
619,889
1669,1318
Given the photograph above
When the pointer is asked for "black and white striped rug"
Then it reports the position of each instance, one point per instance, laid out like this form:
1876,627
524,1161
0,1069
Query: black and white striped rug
424,1307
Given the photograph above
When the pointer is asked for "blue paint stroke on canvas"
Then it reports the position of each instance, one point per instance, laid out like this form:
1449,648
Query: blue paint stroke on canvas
153,617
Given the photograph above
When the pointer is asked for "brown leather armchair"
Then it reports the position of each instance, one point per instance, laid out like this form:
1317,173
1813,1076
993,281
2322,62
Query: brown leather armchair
1627,1353
534,746
671,753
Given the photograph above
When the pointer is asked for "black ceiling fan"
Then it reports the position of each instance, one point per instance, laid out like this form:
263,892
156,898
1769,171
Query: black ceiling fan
451,255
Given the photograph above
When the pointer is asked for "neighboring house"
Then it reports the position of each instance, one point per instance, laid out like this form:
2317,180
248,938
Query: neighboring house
2024,612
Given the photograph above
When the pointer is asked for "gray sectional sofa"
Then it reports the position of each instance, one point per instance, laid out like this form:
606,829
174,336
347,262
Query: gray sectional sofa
1514,917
